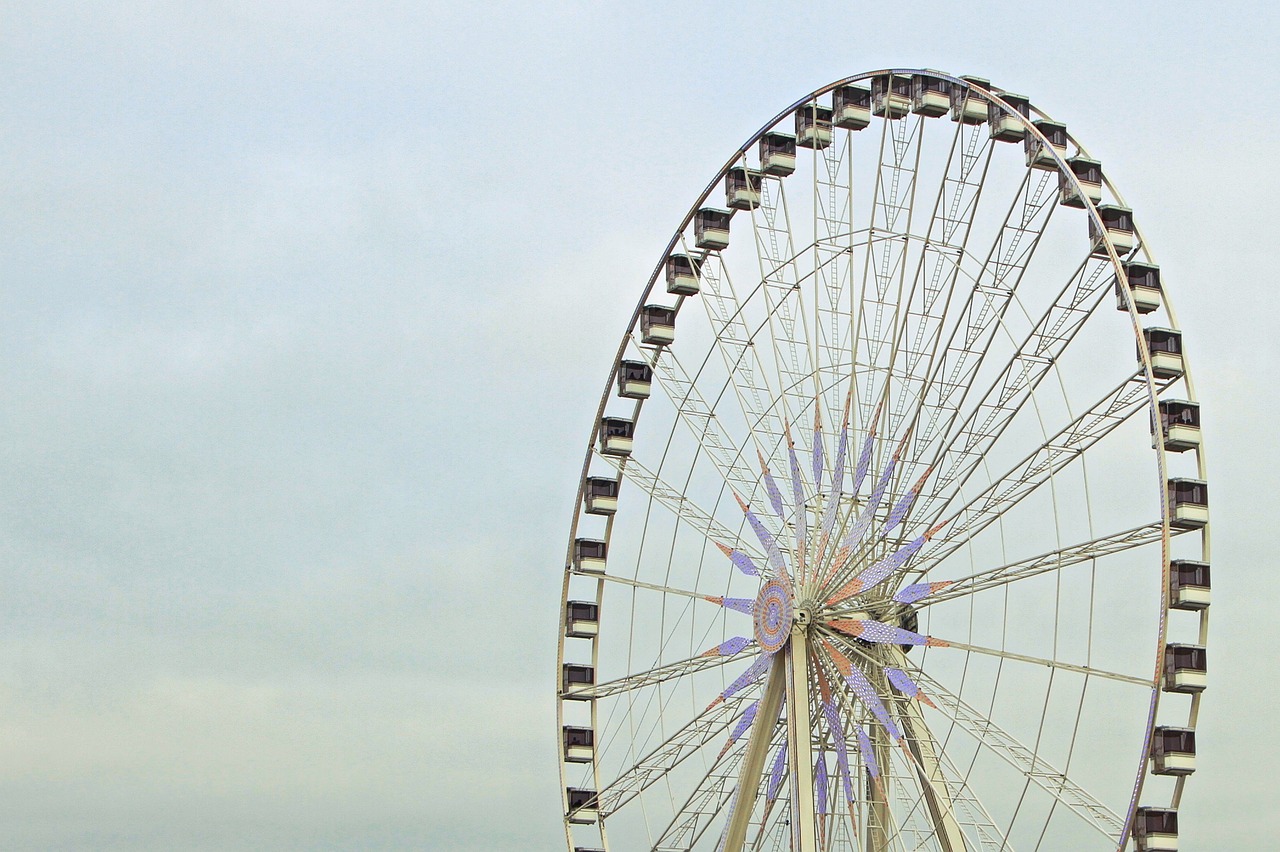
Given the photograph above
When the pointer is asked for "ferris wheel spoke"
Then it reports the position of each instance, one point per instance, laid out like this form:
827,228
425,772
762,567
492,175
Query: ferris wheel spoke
693,410
641,584
1144,682
952,369
968,808
681,506
702,729
707,800
832,263
1054,560
946,239
1069,444
969,438
736,343
1007,747
886,256
780,283
657,675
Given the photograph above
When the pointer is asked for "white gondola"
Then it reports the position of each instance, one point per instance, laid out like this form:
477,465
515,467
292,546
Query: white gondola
1185,668
1165,348
574,679
658,325
635,380
581,620
1039,154
1188,584
1089,173
967,106
890,95
616,436
742,188
1179,425
1173,751
589,555
1117,225
930,96
1144,284
711,228
583,807
813,126
777,153
579,744
1188,503
682,275
1006,127
851,107
601,495
1155,830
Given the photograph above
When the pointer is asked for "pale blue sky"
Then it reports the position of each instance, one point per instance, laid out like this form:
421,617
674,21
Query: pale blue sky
305,312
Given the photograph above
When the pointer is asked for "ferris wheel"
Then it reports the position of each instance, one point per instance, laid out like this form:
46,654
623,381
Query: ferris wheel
893,529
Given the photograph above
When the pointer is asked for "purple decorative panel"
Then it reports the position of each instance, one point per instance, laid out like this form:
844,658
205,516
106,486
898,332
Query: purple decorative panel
742,561
919,591
868,753
728,648
743,605
766,539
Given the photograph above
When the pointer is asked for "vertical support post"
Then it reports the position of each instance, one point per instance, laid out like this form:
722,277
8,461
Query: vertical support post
932,783
936,794
753,763
804,815
878,828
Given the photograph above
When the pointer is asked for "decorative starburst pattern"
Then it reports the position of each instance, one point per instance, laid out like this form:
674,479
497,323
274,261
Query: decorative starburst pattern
841,589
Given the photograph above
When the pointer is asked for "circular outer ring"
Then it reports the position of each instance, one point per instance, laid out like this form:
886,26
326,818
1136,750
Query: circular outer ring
1068,178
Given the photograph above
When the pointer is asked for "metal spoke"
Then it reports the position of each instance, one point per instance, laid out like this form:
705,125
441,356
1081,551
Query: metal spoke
684,508
1052,561
945,243
885,261
967,440
700,417
1053,664
711,795
640,584
1078,800
1104,416
779,281
736,343
951,377
659,674
654,766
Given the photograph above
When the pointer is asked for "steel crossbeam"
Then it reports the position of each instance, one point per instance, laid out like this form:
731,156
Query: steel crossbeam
1003,744
1052,561
656,675
685,509
661,760
1037,468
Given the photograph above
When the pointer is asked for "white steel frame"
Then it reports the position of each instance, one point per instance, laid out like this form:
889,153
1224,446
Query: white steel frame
900,320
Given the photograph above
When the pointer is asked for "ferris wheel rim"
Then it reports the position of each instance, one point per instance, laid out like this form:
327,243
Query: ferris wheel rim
1117,266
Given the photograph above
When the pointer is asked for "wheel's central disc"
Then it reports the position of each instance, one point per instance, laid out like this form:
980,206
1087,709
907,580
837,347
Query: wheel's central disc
773,616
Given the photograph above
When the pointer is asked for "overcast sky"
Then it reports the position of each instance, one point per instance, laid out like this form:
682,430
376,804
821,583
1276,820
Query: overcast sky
306,308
